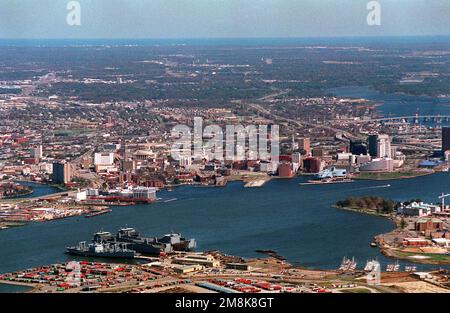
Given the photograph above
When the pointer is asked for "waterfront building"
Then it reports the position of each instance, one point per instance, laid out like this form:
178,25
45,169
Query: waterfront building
445,139
378,165
447,155
380,146
363,159
238,266
416,242
428,224
312,165
268,167
332,173
62,173
418,209
205,260
344,156
285,170
305,145
144,193
296,157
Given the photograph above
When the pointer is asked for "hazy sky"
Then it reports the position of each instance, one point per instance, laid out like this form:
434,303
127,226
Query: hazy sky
221,18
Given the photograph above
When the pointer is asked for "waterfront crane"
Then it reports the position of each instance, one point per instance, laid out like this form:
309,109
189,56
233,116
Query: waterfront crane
443,196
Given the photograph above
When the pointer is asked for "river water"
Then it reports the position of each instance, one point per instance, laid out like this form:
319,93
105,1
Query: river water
297,221
397,104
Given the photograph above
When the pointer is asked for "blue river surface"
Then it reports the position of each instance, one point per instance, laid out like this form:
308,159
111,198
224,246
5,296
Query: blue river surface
38,189
398,105
297,221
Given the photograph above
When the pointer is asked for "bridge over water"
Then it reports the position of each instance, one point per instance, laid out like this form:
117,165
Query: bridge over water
411,118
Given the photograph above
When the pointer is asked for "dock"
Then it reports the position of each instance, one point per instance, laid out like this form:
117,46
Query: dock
256,183
318,182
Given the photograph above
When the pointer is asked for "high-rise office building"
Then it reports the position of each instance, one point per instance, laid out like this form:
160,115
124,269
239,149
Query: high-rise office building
445,139
373,145
384,146
358,147
380,146
305,144
62,173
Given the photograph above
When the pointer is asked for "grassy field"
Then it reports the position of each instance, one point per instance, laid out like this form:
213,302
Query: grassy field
431,258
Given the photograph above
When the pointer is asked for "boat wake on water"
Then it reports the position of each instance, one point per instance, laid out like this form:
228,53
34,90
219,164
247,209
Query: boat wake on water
373,187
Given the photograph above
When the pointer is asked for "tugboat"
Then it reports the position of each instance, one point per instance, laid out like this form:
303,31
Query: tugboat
101,250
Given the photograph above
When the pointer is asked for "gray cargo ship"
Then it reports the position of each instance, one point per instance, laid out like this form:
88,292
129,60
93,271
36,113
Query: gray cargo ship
102,250
150,246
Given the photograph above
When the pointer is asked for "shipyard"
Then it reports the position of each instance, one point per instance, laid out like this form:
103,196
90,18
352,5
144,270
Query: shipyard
215,273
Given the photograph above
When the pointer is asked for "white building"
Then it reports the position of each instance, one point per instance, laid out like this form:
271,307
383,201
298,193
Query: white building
268,167
80,196
419,209
144,192
103,158
185,161
378,165
91,192
384,149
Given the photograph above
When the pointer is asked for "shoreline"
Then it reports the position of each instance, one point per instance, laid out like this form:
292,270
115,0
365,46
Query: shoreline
397,253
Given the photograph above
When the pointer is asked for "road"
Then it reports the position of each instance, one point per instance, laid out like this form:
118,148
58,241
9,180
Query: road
272,115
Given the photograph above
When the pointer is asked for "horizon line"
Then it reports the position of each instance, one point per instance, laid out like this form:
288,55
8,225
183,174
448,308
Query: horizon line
222,38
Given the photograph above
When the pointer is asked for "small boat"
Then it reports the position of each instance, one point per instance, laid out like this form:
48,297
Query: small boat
373,245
